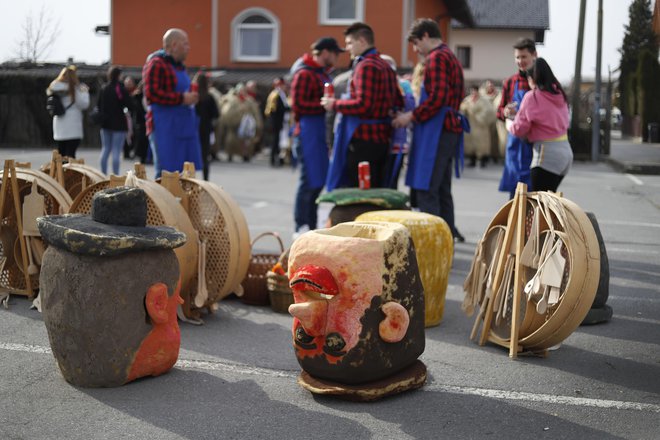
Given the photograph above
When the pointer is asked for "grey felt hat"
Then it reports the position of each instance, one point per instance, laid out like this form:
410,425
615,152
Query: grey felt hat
117,225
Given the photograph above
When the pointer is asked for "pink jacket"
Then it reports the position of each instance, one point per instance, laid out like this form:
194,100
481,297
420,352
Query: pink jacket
542,116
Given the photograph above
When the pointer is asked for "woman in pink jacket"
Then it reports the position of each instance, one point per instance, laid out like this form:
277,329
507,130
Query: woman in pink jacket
543,120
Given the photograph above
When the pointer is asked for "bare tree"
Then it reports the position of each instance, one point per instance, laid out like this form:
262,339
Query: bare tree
39,33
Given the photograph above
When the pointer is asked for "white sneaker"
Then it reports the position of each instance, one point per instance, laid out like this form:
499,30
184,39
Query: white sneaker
301,230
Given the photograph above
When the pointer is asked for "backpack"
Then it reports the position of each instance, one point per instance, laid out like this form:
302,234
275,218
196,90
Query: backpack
55,107
247,129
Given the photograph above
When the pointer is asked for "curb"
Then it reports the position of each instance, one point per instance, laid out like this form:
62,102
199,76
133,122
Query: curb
634,167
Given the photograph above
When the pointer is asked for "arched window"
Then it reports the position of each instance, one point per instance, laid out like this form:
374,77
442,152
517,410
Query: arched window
255,36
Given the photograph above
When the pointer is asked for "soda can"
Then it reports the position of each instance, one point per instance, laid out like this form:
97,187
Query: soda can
364,175
328,90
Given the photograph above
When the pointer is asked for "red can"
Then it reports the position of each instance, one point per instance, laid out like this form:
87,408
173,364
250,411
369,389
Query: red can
328,90
364,175
194,87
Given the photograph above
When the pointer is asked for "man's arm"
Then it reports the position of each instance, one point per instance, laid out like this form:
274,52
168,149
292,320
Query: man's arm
436,75
365,82
160,83
506,85
304,100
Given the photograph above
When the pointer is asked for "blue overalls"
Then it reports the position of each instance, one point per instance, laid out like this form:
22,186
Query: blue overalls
429,170
343,134
426,136
176,132
310,146
517,158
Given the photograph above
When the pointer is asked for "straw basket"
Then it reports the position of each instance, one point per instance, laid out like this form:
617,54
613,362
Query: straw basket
279,292
15,274
255,290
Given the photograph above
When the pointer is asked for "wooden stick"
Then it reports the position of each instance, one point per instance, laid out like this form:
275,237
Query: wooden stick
9,178
517,280
501,261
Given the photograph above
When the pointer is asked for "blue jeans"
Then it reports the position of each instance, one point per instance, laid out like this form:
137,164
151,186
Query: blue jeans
111,141
154,155
438,199
305,209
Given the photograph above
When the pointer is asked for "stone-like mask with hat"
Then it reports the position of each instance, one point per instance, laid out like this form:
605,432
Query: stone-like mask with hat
117,225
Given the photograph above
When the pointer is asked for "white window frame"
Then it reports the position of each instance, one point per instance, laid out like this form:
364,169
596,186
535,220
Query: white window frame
236,27
469,60
324,7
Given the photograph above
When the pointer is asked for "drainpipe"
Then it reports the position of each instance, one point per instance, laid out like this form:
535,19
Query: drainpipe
214,33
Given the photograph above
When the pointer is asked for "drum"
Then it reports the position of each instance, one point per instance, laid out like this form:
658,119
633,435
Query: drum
434,248
560,267
55,201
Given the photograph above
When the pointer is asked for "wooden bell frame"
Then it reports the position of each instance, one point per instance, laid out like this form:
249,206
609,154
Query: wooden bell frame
529,331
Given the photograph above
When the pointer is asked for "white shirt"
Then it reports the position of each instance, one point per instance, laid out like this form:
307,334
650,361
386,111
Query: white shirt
70,124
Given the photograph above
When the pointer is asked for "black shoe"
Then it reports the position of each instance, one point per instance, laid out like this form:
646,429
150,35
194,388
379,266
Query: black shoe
458,237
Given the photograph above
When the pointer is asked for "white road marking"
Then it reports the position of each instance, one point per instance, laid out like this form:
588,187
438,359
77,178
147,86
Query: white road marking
187,364
634,179
631,299
481,392
259,205
543,398
611,250
626,223
637,319
26,348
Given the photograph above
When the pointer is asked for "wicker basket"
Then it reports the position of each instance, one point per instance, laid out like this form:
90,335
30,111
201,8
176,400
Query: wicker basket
281,296
255,290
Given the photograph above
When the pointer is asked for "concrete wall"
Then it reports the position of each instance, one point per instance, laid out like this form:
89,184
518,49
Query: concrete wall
492,52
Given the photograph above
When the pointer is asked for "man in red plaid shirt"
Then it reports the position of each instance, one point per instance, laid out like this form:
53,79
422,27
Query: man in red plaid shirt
171,119
438,133
364,132
309,143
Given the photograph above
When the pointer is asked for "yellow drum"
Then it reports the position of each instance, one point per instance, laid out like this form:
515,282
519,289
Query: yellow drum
434,247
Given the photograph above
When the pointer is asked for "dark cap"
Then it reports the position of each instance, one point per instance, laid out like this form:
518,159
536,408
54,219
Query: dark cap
327,43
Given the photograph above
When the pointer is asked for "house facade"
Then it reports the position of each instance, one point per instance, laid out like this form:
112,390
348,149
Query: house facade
267,34
486,50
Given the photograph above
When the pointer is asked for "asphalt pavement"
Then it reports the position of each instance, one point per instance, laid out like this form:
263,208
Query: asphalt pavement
236,374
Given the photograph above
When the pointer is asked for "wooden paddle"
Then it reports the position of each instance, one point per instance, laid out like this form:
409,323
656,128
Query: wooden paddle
33,207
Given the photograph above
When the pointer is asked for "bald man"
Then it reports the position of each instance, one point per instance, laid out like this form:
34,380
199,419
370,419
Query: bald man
171,119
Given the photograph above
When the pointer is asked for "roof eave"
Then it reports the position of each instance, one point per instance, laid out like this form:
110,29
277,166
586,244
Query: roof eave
460,11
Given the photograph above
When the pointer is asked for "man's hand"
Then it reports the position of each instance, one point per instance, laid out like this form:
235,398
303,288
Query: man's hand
328,103
402,120
510,110
190,98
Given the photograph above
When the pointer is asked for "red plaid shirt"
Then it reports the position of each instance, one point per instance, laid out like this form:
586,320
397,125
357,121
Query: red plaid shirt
374,93
443,82
307,90
508,87
160,82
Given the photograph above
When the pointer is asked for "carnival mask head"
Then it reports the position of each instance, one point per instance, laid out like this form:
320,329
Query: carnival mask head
359,303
